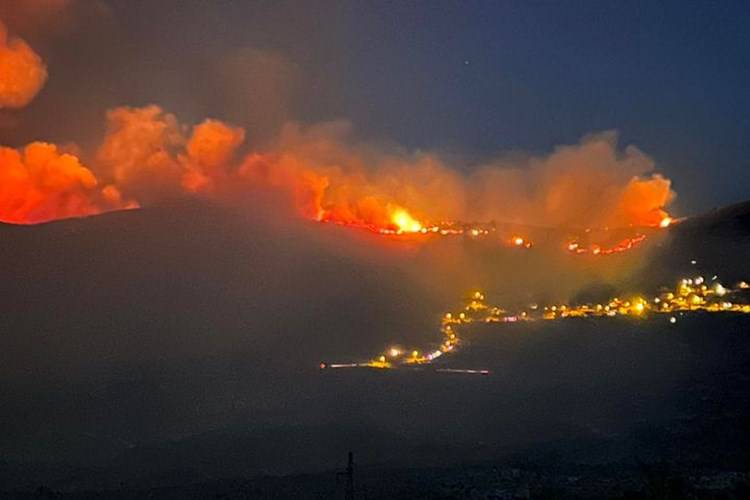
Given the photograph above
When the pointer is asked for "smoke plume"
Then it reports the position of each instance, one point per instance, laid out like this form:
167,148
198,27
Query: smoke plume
148,156
588,184
22,71
41,183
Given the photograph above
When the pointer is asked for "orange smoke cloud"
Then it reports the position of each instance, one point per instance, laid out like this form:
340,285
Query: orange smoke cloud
40,183
332,181
148,155
210,148
22,71
644,200
591,184
138,152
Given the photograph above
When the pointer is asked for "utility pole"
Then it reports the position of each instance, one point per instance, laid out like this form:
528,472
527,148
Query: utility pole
349,474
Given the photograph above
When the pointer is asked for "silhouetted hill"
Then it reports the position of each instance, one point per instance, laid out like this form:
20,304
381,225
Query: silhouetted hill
178,345
718,242
163,322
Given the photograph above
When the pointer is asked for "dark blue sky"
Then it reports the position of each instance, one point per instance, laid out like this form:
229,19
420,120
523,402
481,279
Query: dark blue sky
472,79
674,79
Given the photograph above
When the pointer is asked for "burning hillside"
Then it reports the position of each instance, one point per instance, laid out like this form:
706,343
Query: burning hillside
147,155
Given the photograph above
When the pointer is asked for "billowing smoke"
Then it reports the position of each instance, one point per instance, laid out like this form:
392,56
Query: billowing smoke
137,152
590,184
148,155
584,185
22,71
330,179
41,183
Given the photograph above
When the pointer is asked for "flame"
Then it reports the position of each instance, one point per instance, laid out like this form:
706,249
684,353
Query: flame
665,222
405,222
624,245
148,155
520,242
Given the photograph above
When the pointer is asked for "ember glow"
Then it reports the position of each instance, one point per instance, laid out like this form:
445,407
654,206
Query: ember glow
520,242
689,296
597,249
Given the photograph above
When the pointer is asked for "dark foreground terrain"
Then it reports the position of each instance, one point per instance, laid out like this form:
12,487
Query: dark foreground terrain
165,354
488,481
578,409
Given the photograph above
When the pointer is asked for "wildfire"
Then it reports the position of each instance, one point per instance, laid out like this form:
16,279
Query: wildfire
520,242
596,249
402,223
405,222
147,155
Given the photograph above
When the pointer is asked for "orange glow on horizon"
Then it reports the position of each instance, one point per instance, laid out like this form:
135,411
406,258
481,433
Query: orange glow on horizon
148,155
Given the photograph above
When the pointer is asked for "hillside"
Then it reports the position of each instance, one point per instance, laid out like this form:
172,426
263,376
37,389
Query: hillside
179,344
718,242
